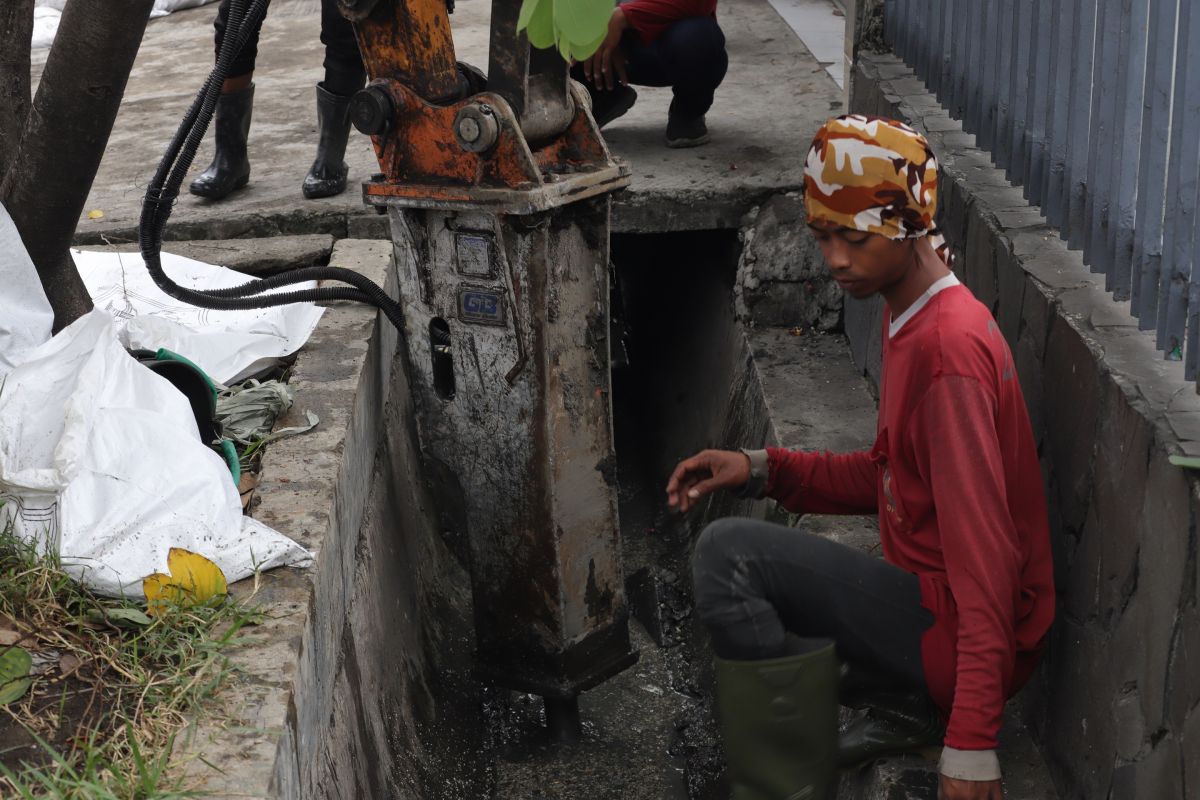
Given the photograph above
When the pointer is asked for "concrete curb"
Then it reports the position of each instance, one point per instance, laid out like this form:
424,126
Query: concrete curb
313,488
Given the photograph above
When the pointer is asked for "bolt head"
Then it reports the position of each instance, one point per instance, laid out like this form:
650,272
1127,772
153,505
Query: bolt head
468,130
371,110
476,129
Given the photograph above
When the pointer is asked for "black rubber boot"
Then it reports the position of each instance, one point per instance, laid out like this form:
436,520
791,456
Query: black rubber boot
779,725
607,105
327,176
230,167
893,721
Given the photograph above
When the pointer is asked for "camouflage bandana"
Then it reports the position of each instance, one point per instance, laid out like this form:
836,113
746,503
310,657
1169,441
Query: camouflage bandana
873,175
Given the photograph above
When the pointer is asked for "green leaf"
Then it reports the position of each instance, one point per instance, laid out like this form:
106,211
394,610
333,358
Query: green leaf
1188,462
581,21
15,664
540,30
127,617
586,51
528,7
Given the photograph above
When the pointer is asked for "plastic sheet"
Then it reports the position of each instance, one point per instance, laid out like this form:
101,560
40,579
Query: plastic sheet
25,314
228,345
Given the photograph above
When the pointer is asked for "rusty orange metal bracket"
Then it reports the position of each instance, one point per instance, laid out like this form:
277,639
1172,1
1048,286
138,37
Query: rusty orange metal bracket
407,41
425,164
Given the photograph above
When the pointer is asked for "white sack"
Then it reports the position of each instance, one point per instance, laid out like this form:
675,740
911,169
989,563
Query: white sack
101,461
164,7
45,26
228,345
25,314
47,13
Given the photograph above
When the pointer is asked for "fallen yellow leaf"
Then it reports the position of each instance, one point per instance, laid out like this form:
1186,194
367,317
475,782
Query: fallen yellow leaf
95,213
199,577
159,592
194,580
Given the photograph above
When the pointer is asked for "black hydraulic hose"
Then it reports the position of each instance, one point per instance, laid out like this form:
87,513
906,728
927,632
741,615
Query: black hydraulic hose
244,16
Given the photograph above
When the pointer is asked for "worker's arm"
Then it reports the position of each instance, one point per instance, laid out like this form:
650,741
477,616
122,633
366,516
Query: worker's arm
822,482
819,483
953,434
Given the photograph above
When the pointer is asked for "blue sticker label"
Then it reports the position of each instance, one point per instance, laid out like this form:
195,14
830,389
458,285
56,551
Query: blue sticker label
481,306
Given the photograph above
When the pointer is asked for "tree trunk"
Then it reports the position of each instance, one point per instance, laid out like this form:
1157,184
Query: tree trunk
64,138
16,31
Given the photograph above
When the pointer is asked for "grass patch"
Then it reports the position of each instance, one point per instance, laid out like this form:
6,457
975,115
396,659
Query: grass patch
110,687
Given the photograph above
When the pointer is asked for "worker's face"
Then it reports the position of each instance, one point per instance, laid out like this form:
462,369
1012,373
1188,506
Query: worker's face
863,264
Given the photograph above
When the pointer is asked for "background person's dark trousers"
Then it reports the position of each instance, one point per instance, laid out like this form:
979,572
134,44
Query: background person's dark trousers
689,56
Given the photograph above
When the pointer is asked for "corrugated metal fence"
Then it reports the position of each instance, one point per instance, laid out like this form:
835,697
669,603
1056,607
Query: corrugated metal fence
1094,107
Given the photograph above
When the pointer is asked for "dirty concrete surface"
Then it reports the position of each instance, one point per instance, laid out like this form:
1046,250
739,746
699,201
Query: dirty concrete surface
775,96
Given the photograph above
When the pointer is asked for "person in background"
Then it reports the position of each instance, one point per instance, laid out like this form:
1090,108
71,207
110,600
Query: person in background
933,638
344,75
675,43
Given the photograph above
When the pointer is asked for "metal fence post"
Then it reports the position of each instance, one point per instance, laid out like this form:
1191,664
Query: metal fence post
1001,136
973,69
1058,101
1183,171
932,67
1131,70
1101,155
1152,171
1019,78
1079,121
1035,116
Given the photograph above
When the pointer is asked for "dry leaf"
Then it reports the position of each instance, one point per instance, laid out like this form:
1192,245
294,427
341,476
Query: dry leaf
246,487
69,663
8,637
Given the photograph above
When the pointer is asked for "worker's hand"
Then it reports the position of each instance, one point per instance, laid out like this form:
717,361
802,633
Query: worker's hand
703,474
954,789
606,68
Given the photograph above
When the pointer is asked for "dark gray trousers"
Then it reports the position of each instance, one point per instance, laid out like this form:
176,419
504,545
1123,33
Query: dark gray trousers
756,582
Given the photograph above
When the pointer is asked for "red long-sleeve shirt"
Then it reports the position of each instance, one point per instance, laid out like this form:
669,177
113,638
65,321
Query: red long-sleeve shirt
651,17
955,479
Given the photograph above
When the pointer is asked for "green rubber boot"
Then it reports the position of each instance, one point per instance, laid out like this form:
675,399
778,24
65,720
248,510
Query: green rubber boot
779,724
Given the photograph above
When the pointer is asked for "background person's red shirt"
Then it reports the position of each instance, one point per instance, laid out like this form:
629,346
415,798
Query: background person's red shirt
651,17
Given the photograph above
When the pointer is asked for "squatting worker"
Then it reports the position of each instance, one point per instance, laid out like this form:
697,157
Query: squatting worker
675,43
344,75
932,639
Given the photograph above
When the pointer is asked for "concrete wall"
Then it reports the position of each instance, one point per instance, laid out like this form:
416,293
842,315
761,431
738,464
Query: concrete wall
781,280
355,684
1116,704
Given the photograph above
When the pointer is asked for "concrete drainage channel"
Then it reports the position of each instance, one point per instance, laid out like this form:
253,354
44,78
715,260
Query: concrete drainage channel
359,682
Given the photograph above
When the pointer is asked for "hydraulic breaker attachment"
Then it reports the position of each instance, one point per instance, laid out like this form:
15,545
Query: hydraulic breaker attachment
498,193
